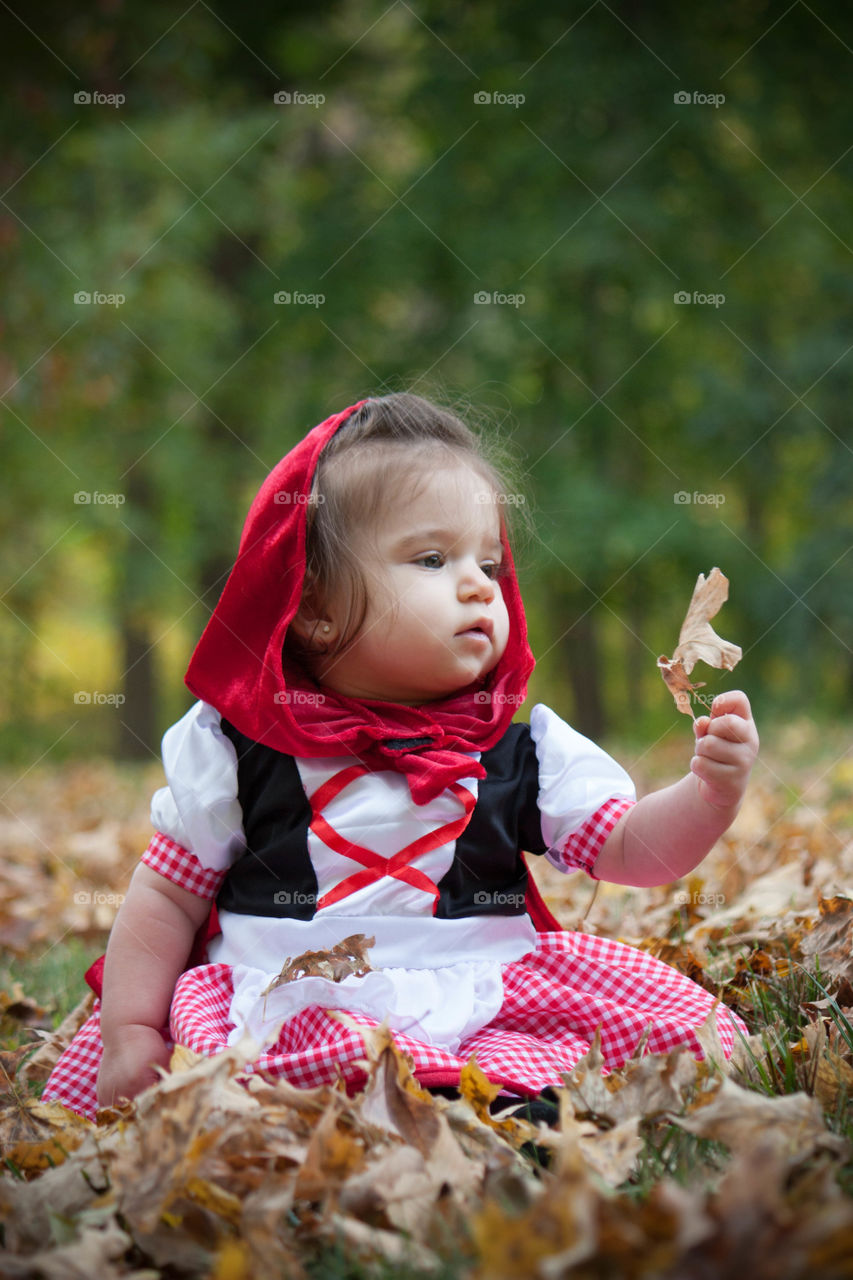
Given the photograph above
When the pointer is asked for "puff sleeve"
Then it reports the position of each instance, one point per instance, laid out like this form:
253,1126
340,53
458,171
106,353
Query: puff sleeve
583,792
197,815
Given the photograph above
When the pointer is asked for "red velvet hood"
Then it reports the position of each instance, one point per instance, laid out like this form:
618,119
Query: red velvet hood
239,668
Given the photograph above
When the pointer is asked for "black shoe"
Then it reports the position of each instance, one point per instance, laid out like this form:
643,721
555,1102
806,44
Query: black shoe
543,1108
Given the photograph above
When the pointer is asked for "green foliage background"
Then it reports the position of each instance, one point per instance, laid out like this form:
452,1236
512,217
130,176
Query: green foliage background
399,198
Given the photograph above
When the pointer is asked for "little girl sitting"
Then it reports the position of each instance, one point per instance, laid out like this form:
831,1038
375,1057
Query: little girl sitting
351,768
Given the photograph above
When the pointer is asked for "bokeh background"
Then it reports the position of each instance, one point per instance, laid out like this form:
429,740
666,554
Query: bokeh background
619,234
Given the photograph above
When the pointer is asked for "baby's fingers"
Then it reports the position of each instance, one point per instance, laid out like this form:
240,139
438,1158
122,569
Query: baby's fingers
733,728
733,702
724,750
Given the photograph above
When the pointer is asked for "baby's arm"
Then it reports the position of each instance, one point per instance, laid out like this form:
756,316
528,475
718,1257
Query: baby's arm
667,833
148,948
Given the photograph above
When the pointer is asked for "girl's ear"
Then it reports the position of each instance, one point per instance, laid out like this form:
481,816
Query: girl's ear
316,631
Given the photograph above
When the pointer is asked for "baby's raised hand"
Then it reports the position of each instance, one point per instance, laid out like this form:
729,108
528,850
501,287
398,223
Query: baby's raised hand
726,747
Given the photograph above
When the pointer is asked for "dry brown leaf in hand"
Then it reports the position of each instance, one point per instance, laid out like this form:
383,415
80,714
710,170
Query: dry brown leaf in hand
698,642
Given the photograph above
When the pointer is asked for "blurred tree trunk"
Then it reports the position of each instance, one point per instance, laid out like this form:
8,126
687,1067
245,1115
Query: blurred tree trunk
583,649
212,574
138,736
637,659
138,733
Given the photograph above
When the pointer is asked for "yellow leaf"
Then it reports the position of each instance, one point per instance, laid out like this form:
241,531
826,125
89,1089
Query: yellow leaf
36,1135
479,1092
214,1198
183,1059
232,1262
476,1087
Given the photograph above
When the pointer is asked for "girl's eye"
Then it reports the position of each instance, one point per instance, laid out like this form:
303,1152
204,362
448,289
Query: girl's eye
432,561
492,570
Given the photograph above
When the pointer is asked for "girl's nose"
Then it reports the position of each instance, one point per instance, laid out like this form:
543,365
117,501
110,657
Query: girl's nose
475,584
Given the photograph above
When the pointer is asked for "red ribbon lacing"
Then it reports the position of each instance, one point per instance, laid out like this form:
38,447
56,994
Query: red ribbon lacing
374,865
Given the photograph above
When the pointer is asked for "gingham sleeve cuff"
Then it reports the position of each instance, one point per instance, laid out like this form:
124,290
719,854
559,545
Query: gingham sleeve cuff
584,845
182,867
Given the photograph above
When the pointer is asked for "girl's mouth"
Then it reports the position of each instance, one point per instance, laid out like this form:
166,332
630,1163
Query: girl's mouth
483,628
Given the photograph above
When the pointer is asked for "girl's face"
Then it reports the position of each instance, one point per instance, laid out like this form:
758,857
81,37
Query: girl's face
436,618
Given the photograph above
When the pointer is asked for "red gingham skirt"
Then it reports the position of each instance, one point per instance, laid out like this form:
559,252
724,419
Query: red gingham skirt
554,999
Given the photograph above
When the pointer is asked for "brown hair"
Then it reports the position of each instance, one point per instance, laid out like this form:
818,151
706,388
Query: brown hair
387,446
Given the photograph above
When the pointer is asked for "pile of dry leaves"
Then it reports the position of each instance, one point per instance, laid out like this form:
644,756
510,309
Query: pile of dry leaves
214,1172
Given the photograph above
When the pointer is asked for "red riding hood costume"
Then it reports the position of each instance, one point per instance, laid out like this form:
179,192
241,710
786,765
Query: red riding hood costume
309,817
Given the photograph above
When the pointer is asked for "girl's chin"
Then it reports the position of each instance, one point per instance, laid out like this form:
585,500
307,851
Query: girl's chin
411,696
